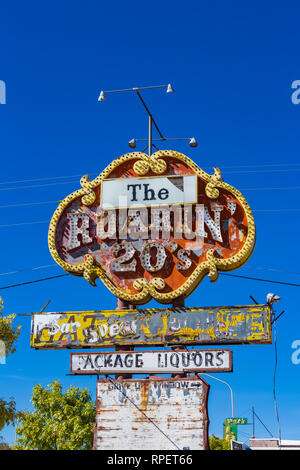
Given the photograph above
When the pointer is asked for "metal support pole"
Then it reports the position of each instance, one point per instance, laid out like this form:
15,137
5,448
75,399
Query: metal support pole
231,392
150,135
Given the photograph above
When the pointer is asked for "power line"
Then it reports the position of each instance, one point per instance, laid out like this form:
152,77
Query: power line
23,204
223,274
262,171
207,168
252,411
274,384
47,221
49,178
28,269
16,188
40,179
34,268
280,188
272,269
25,223
283,188
262,280
32,282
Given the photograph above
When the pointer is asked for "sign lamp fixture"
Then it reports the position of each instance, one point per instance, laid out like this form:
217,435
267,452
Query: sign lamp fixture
132,142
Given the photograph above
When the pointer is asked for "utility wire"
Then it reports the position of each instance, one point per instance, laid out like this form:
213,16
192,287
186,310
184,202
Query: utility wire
40,179
55,265
274,384
281,188
142,412
262,423
47,221
262,280
32,282
28,269
224,274
207,168
23,204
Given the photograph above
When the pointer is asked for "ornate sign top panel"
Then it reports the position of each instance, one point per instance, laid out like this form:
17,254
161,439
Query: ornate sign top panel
152,227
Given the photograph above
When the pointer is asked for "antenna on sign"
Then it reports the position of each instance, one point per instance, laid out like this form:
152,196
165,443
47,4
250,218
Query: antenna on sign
151,120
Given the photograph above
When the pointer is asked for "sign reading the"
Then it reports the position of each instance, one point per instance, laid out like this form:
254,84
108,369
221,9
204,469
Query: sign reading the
152,327
151,362
124,192
127,410
152,227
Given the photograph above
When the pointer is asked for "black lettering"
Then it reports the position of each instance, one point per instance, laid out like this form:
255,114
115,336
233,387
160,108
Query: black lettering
118,361
107,360
138,360
220,359
128,360
185,359
133,186
197,359
88,361
163,193
159,360
174,360
97,365
209,359
146,193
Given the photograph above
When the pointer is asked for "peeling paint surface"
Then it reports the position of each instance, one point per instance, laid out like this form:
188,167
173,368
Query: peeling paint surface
152,414
152,327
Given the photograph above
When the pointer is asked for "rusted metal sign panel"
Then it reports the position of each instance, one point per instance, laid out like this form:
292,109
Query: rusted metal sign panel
152,414
152,327
152,227
151,362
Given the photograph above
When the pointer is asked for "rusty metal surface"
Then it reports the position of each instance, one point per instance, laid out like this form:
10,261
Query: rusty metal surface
140,251
151,362
152,327
152,414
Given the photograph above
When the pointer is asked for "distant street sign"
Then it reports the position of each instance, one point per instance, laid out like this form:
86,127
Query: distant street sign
158,413
151,362
152,327
236,421
152,227
230,427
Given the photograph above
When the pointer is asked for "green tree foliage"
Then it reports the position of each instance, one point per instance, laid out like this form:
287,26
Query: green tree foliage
8,412
215,443
60,421
8,336
8,333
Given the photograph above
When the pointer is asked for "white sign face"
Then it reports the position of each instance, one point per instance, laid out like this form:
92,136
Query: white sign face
152,362
177,407
127,192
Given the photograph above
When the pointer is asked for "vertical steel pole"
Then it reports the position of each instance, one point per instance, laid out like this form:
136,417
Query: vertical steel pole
150,135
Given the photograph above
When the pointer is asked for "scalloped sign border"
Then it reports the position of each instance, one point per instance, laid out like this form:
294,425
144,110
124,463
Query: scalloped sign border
139,164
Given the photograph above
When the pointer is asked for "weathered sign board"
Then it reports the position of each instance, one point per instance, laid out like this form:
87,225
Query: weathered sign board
152,327
151,414
152,227
151,362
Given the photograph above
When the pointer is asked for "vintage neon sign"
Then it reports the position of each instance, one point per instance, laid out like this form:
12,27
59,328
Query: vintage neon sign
152,227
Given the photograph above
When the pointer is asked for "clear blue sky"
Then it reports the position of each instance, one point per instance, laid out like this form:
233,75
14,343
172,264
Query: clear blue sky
232,65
